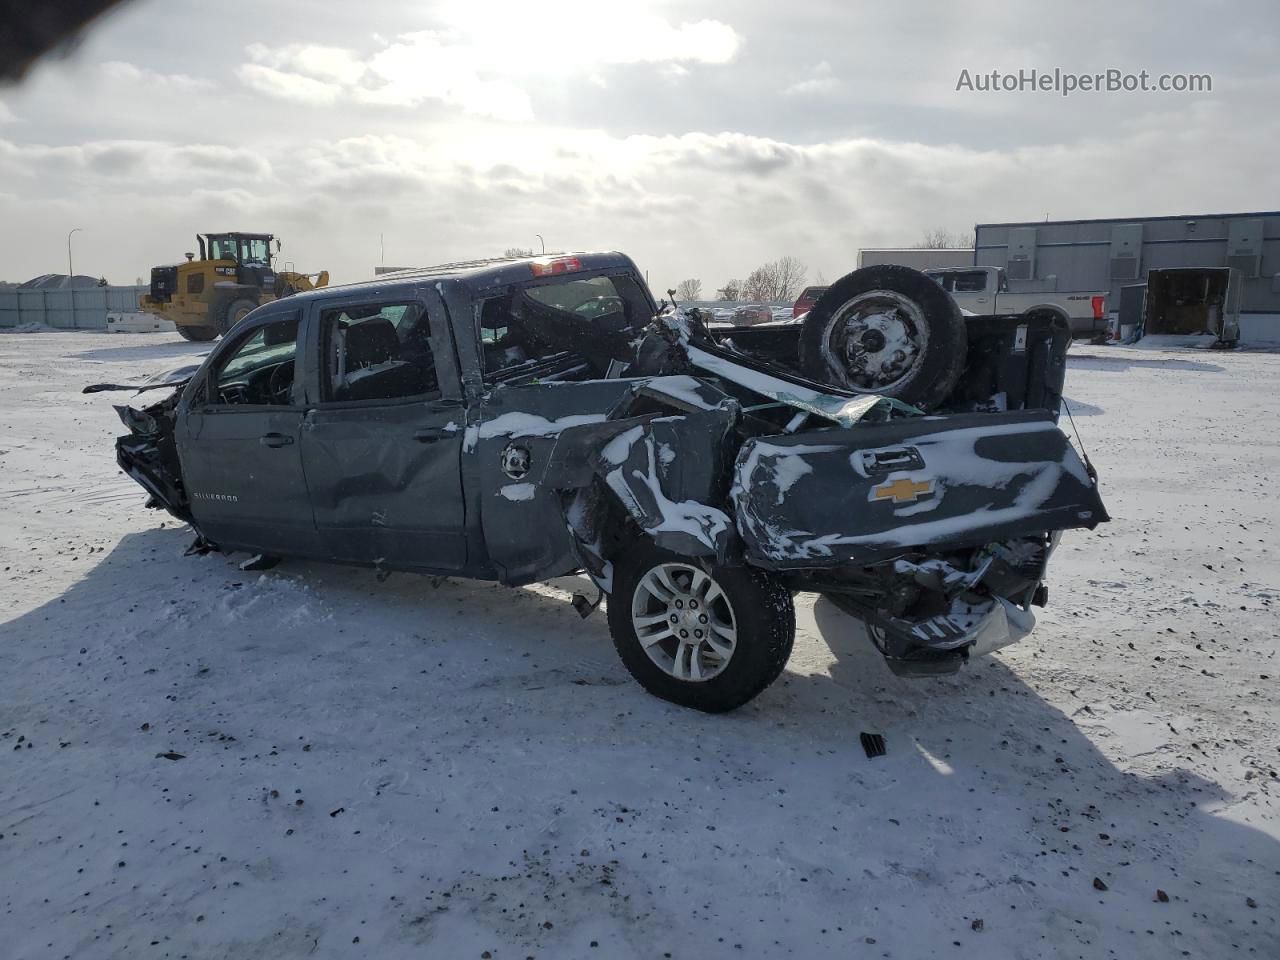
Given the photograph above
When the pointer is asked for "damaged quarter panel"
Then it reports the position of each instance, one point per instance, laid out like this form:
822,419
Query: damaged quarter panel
667,472
832,497
515,448
542,460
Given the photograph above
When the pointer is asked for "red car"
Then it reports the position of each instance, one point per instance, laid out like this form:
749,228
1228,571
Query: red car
808,297
750,315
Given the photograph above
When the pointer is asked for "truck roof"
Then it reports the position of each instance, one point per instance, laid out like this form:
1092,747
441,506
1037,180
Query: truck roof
475,274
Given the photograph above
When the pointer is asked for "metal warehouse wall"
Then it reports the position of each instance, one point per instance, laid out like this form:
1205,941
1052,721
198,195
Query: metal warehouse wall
917,257
1085,255
83,309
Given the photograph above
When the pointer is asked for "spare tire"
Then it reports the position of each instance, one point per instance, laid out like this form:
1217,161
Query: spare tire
888,330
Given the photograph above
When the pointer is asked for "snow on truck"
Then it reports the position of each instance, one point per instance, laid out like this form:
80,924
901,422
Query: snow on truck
986,290
523,419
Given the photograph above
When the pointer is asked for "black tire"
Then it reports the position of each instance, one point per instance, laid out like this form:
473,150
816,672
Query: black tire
765,626
940,348
234,311
197,334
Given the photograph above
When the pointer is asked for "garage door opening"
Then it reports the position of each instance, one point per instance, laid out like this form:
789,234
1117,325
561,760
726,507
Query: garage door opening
1194,300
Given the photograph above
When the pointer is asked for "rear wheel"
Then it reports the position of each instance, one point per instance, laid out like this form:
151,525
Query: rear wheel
235,311
888,330
707,639
197,334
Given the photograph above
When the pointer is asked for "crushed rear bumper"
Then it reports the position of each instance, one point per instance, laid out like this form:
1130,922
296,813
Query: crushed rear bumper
945,642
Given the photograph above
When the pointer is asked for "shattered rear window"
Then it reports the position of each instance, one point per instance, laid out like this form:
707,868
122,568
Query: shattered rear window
558,324
585,298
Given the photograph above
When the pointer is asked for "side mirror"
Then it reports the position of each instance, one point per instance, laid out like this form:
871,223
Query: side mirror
277,244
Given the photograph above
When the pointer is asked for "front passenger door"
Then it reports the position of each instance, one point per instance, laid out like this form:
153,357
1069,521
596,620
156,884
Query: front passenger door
240,445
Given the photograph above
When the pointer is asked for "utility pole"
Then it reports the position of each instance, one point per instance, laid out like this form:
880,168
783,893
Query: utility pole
541,241
70,270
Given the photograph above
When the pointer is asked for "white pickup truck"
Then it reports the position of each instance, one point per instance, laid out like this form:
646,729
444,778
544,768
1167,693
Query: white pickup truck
986,290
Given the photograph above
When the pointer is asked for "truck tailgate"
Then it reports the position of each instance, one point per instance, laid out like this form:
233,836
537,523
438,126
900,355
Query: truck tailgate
874,491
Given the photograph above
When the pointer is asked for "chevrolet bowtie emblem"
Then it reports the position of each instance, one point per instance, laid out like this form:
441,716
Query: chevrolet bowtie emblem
902,490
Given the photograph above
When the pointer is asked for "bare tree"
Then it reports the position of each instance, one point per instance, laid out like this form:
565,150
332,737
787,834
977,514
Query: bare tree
791,275
759,283
730,291
941,239
518,252
778,281
690,289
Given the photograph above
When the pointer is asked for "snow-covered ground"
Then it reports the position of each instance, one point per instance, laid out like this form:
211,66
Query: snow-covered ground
200,762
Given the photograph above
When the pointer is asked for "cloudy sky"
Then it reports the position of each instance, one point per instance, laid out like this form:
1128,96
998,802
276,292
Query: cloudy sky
701,138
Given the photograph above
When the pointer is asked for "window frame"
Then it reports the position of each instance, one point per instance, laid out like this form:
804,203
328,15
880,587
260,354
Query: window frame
207,387
221,243
978,274
324,384
246,245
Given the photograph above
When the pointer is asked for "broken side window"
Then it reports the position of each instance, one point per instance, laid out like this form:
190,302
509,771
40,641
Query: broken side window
260,369
378,352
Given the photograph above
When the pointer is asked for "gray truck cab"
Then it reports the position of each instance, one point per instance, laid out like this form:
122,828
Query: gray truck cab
334,423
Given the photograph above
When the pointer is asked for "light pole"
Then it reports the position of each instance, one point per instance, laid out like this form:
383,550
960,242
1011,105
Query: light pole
541,241
70,271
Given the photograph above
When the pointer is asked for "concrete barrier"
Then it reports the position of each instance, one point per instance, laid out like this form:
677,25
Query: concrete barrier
75,309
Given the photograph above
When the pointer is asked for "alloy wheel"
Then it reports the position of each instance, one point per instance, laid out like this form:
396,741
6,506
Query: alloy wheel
684,622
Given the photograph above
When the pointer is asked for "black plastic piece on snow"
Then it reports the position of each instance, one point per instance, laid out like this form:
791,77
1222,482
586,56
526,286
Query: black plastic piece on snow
586,607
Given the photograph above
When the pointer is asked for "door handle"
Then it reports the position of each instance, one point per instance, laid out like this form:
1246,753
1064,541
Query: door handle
881,462
430,435
275,440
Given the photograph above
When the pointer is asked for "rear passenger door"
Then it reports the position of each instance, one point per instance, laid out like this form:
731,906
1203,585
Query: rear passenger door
382,441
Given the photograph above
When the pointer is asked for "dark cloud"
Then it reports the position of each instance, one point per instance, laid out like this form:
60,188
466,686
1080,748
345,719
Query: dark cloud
116,160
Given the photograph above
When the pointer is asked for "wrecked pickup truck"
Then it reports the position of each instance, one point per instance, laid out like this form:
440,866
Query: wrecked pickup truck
523,419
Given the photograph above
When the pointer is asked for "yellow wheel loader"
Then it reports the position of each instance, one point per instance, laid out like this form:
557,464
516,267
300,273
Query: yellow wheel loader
235,273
